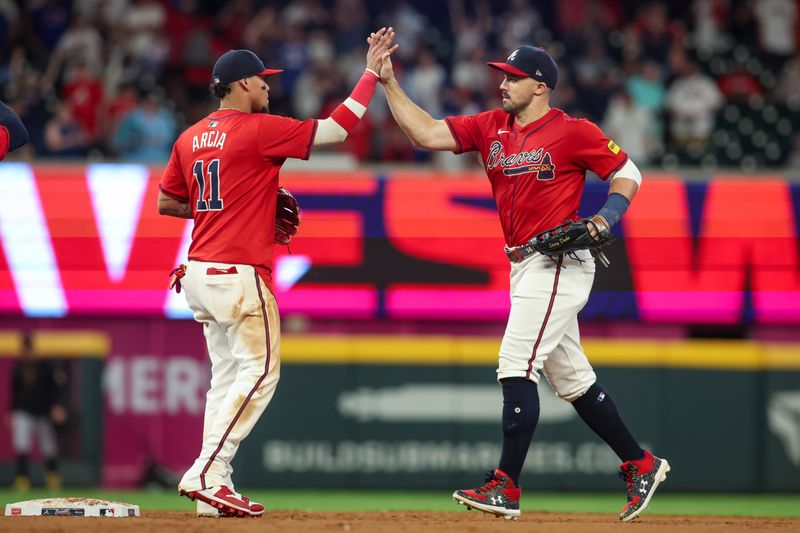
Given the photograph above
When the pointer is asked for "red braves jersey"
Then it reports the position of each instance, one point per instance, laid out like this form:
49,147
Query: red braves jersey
4,141
226,167
537,172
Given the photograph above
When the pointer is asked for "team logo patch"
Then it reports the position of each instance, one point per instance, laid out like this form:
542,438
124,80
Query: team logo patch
613,147
513,55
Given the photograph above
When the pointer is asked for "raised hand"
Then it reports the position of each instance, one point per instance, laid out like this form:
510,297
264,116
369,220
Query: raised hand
387,71
380,46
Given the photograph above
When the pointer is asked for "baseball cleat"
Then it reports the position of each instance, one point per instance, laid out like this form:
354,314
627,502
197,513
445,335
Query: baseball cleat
643,477
227,502
498,496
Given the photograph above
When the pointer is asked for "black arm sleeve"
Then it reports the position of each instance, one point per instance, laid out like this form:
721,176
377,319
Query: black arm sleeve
17,134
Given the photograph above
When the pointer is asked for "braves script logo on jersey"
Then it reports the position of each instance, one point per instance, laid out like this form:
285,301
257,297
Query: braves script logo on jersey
538,162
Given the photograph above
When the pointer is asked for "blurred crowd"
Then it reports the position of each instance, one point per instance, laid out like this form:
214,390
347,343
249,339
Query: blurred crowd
698,82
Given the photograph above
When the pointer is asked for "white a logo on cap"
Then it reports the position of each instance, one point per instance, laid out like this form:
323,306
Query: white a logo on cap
513,55
538,72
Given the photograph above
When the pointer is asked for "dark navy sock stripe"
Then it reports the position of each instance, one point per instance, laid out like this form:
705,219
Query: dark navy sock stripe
546,316
252,391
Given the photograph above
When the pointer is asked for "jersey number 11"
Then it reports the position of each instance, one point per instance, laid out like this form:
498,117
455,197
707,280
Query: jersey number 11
214,202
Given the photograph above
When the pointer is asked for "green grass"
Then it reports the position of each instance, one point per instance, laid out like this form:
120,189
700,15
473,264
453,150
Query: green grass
784,505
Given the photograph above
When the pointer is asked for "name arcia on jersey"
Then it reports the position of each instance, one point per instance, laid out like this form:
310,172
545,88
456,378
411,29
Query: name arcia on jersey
209,139
523,162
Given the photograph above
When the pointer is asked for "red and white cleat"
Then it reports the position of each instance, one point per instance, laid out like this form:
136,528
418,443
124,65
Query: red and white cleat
227,502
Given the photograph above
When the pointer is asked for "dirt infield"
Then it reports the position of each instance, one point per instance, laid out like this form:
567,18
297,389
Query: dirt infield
396,522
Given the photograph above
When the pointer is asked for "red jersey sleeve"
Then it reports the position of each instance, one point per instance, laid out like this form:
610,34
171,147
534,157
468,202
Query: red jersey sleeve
596,152
466,131
173,182
3,142
286,137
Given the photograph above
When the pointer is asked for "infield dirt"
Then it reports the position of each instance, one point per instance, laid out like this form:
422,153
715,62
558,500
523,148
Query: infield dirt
396,522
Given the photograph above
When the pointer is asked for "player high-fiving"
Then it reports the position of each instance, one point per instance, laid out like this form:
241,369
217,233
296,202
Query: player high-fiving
223,173
536,158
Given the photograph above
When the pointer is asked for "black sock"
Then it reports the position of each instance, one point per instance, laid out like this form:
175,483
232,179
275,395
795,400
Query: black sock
52,464
520,416
22,465
598,411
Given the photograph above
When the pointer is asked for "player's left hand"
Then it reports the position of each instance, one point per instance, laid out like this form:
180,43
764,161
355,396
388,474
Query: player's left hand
380,44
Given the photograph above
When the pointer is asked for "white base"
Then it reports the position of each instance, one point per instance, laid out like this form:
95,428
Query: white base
72,507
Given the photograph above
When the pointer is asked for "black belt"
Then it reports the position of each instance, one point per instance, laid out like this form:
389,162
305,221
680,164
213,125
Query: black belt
519,253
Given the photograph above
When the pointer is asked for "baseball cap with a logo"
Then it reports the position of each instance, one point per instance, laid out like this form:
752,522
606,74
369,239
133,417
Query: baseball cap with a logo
239,64
530,61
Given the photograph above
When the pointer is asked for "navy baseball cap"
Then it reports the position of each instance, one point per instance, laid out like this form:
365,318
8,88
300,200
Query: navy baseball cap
239,64
530,61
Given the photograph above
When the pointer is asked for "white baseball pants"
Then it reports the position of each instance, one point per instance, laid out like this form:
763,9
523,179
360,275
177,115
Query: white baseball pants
542,331
242,330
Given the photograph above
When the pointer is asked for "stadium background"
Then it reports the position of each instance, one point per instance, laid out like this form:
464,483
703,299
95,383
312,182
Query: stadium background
395,292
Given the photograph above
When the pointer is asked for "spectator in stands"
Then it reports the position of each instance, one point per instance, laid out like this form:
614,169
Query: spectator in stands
777,29
63,134
141,29
709,24
788,89
84,95
293,56
517,25
351,20
630,126
146,134
646,87
739,84
470,73
469,32
656,33
38,403
49,20
410,26
426,81
80,45
692,99
125,101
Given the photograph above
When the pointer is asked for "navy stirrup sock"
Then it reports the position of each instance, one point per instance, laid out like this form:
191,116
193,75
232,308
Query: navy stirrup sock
598,411
520,416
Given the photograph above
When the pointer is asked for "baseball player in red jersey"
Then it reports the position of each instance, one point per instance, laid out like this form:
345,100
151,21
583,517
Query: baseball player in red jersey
12,131
223,173
536,158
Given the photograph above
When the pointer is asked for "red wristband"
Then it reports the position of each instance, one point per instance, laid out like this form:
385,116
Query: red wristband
362,94
365,88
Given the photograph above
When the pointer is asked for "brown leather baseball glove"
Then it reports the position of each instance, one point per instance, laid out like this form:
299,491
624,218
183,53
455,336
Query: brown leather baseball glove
287,217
